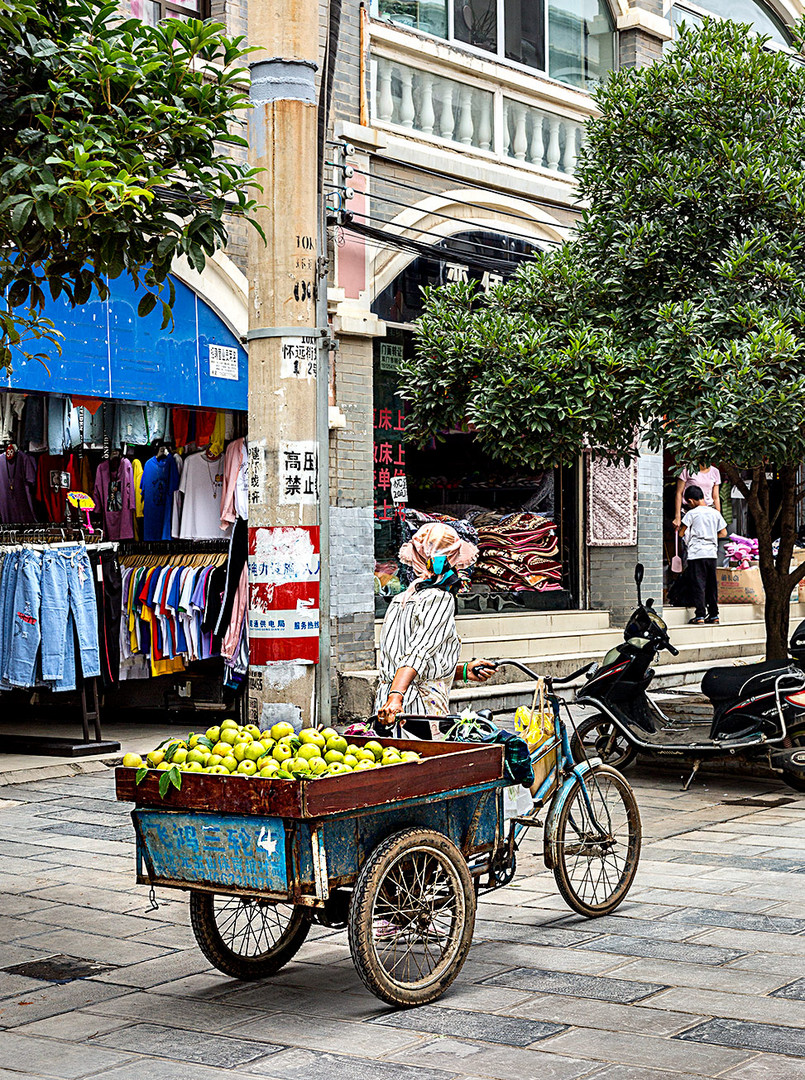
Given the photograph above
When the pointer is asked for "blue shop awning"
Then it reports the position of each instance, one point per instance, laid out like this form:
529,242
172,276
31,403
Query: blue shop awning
108,351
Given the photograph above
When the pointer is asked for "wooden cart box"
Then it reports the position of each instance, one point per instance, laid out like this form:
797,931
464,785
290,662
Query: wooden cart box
297,840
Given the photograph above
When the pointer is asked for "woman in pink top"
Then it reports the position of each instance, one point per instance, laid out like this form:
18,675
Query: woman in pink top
708,478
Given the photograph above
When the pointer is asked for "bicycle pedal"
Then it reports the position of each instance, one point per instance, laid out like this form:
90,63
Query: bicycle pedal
528,822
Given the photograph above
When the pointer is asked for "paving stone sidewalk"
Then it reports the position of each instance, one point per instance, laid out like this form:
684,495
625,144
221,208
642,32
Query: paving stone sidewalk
701,973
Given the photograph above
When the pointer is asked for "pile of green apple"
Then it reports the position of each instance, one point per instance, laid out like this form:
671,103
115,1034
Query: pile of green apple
280,753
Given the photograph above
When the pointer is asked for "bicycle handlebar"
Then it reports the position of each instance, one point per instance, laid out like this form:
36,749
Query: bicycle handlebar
561,681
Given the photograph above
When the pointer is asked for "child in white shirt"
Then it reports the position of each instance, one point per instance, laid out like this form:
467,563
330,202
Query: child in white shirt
702,527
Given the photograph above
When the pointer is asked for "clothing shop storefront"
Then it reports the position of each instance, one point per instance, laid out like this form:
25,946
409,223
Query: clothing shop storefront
123,501
525,523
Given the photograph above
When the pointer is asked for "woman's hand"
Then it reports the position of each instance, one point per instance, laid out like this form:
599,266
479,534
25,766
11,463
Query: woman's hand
677,522
387,714
480,670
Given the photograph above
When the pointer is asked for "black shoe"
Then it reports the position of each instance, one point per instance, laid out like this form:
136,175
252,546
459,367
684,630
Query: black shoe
697,621
712,620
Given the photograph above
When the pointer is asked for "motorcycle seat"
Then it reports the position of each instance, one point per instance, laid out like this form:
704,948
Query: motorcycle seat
729,683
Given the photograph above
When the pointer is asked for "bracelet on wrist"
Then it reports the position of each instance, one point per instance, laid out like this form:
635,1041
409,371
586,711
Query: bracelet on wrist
396,693
466,680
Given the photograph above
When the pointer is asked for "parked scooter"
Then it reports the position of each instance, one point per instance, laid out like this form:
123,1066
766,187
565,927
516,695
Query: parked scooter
758,709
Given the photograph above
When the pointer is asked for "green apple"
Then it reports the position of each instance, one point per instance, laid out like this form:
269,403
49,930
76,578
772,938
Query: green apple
214,759
309,736
194,766
352,749
229,723
409,755
132,761
230,763
198,756
318,766
254,751
365,755
362,766
213,734
239,750
253,730
280,729
350,760
328,732
334,756
282,752
247,768
376,749
298,766
229,736
337,742
335,768
268,772
308,751
218,770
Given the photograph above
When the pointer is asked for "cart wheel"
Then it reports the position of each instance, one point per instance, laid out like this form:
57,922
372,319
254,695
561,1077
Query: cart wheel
599,737
247,939
595,855
412,917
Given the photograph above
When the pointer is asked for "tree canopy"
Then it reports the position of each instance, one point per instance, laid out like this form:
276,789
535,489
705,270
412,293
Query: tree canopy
116,153
677,310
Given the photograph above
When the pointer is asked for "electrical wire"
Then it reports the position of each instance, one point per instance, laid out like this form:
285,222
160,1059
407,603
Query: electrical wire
553,204
483,247
476,206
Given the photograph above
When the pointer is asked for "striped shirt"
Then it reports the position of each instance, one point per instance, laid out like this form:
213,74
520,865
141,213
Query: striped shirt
420,633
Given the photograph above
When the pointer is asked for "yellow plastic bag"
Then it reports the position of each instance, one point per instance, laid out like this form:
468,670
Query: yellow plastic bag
535,725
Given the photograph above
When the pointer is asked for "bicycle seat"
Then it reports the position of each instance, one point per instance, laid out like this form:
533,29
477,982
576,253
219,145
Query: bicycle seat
730,683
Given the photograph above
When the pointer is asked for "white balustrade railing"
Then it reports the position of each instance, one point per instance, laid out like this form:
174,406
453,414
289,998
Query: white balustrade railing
541,138
431,104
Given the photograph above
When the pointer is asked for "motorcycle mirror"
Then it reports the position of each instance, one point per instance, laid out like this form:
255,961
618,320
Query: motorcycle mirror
638,577
650,602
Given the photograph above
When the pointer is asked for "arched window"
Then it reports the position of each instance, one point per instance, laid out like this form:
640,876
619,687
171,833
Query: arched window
570,40
761,18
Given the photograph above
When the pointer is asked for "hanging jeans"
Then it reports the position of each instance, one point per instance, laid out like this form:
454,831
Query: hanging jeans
26,632
67,587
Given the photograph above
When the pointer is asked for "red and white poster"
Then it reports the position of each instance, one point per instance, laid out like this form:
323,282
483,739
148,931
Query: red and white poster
284,574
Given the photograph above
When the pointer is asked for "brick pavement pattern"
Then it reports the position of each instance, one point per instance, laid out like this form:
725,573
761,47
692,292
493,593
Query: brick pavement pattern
699,974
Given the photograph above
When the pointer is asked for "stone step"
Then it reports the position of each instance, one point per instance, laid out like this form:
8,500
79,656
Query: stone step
523,624
729,613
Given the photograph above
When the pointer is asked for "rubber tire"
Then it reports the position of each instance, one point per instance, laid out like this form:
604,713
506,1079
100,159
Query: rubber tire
633,857
369,880
617,761
208,937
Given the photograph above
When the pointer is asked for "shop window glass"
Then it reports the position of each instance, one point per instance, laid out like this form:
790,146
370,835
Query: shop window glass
744,11
525,32
572,40
153,11
427,15
476,23
580,41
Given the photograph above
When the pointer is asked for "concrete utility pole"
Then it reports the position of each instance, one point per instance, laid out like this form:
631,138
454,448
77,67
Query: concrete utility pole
284,466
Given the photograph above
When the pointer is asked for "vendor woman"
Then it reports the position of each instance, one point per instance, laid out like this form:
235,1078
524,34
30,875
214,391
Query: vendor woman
419,644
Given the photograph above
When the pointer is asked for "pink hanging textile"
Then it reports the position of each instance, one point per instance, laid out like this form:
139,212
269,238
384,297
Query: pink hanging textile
611,503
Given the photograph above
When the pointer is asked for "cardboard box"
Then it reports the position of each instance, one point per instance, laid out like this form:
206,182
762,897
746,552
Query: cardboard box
740,586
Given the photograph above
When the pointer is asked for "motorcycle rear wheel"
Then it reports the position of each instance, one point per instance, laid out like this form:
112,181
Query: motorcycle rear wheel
599,737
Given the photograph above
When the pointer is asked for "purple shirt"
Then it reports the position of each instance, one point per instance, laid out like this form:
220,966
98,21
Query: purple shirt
16,488
114,498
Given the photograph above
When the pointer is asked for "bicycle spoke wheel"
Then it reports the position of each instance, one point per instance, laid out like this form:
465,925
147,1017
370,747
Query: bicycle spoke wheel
599,737
596,847
249,939
412,917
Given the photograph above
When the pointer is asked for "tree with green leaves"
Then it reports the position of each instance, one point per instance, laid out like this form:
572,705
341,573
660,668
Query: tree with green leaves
677,311
116,144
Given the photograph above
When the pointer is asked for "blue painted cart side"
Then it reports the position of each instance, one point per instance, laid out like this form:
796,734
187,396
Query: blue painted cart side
299,860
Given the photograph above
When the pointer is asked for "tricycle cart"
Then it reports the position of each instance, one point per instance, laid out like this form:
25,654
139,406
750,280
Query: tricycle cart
397,855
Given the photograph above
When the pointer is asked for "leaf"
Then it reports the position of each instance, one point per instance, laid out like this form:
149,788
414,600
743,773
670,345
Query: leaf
175,777
141,775
204,741
147,304
164,782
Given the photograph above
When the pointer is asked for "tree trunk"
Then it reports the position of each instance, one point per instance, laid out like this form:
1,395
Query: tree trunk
778,583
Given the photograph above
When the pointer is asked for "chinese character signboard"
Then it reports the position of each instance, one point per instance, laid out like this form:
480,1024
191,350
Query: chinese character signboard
284,573
223,362
299,473
298,357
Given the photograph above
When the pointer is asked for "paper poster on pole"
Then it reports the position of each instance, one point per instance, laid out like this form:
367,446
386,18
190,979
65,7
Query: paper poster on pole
284,573
299,473
298,358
